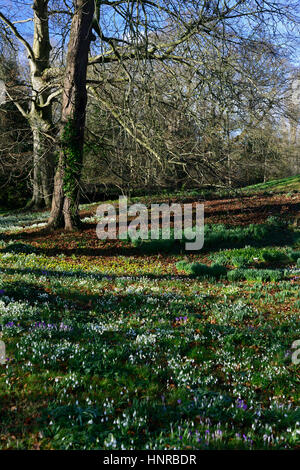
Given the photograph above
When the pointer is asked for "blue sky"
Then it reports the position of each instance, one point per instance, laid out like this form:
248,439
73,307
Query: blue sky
21,10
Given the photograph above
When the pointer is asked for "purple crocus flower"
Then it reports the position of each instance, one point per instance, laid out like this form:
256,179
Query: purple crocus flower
241,404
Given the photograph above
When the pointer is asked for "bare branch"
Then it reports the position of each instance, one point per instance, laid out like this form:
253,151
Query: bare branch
18,106
18,35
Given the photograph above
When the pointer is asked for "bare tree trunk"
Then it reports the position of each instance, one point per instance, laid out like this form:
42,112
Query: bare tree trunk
228,146
66,184
43,167
40,116
265,168
37,200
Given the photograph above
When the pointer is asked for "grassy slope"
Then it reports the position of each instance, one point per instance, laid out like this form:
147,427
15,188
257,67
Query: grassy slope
281,185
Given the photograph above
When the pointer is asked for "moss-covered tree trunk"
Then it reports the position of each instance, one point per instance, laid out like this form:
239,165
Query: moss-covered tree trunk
65,200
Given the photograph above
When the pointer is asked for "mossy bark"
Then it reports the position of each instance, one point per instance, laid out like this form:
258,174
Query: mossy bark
67,179
64,211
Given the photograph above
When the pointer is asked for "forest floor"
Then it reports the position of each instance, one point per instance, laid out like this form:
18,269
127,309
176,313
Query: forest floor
119,345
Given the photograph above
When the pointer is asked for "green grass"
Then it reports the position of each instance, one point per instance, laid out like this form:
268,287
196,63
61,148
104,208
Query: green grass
253,256
215,271
263,275
286,185
150,351
216,236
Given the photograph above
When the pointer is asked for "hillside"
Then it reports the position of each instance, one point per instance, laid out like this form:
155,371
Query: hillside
280,185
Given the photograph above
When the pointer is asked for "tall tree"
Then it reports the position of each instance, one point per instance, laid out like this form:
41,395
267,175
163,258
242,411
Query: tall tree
74,99
39,113
132,33
15,135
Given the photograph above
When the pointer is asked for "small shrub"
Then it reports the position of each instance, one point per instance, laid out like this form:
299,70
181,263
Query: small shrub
202,270
217,236
243,257
293,255
220,259
263,275
240,261
181,265
157,246
274,231
272,256
20,248
236,275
